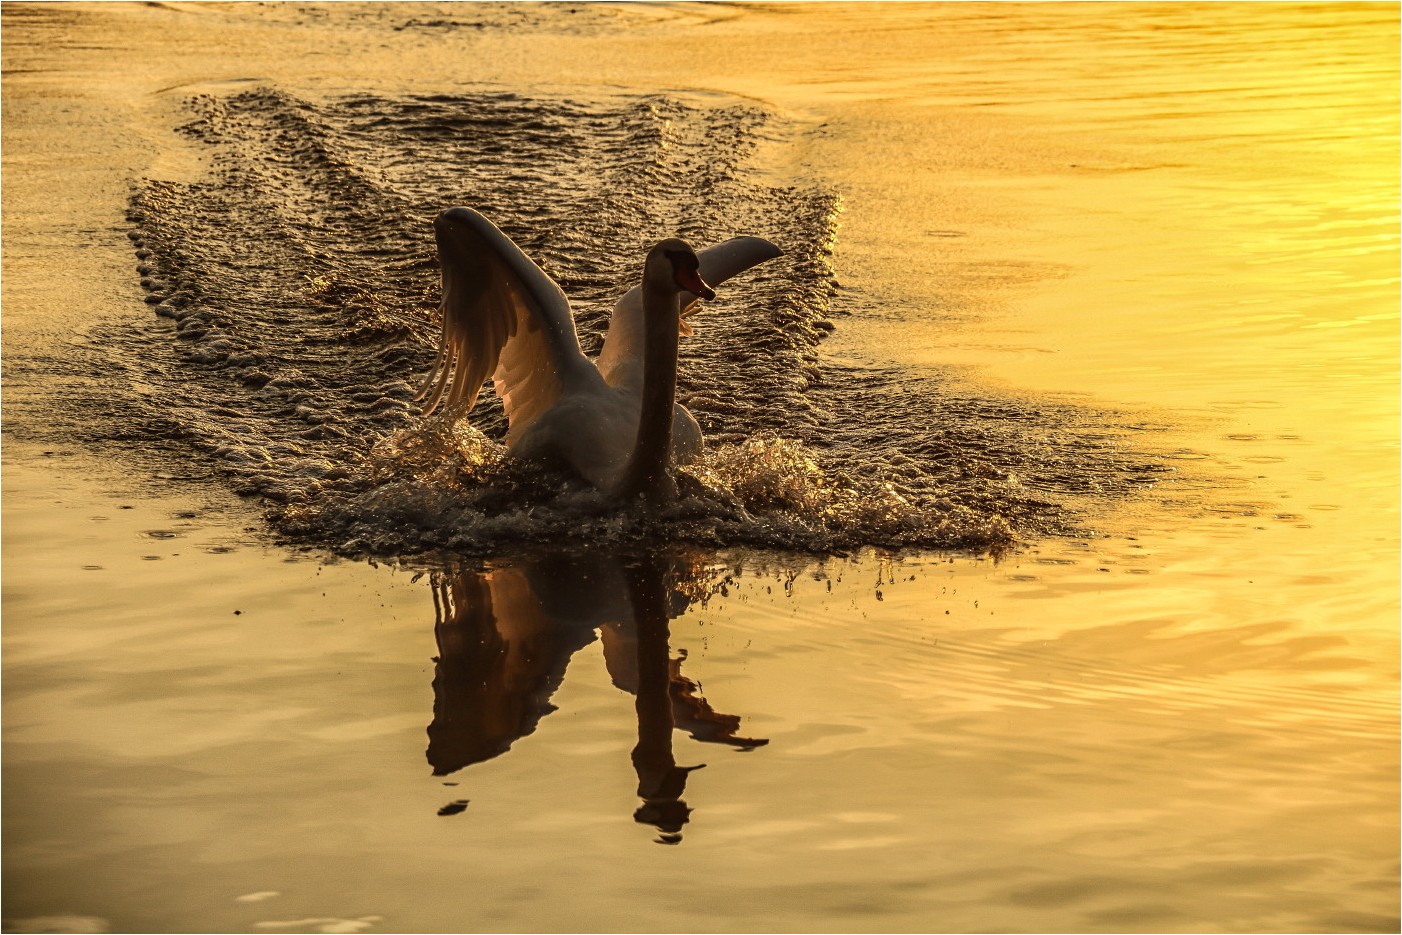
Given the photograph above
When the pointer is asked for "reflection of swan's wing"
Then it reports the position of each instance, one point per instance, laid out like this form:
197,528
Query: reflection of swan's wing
502,317
694,714
501,656
624,343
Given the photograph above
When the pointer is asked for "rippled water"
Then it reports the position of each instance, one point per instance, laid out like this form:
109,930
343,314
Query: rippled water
1108,288
303,289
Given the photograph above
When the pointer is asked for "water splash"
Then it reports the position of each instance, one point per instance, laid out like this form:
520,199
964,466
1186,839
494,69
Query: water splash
447,487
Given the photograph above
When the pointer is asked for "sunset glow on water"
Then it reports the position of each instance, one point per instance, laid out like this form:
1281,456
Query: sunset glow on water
1047,578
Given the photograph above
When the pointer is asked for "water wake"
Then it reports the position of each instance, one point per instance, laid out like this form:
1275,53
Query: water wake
301,285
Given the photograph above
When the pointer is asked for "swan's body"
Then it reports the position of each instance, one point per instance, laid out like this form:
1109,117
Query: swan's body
504,317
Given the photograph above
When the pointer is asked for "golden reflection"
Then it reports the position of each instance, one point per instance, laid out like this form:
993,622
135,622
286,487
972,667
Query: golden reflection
506,635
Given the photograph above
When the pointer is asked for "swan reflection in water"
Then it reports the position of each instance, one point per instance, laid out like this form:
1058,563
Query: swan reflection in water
506,634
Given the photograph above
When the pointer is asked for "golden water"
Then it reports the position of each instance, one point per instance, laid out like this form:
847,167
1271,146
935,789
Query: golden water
1187,213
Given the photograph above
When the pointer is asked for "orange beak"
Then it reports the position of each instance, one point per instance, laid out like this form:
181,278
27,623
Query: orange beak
691,281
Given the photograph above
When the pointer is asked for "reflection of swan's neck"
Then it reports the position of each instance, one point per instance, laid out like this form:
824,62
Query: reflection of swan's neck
661,782
646,474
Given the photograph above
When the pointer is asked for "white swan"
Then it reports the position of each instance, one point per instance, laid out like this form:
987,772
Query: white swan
616,423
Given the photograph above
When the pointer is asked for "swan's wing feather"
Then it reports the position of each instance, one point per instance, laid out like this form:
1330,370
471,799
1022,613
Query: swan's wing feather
503,317
624,342
731,258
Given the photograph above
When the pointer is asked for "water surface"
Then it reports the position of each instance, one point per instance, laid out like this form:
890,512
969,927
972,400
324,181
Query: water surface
1121,277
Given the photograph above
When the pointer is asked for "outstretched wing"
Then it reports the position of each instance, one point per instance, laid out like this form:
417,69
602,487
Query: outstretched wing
502,317
621,359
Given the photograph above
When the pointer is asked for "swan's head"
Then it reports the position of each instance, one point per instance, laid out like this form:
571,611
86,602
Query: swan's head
674,262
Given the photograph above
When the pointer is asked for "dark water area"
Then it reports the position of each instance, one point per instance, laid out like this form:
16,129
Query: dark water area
297,292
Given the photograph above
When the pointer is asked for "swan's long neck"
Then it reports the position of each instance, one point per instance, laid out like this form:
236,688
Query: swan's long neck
646,474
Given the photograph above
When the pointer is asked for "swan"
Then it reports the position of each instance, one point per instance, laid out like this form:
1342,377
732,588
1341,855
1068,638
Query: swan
614,421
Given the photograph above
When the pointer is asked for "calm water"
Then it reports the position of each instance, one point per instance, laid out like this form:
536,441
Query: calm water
1122,276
